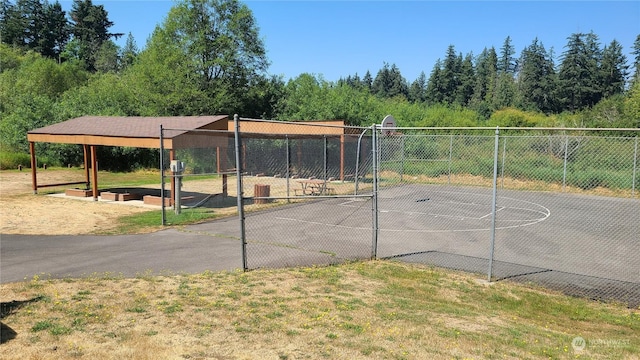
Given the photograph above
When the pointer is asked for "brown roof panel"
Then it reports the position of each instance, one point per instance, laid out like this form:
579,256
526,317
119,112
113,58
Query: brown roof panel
127,126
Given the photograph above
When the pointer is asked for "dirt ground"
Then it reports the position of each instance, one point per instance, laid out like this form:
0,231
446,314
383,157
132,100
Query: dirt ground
22,212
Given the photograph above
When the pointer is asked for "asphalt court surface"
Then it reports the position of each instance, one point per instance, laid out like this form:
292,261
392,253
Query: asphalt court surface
592,240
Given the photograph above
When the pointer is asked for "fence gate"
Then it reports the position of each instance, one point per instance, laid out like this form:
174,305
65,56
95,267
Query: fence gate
298,205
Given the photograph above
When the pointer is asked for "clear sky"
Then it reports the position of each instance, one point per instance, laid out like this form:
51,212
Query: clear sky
340,38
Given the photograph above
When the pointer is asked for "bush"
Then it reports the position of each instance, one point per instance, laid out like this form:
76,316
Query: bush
11,160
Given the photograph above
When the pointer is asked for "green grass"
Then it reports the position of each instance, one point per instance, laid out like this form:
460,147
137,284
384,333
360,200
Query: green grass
373,309
150,220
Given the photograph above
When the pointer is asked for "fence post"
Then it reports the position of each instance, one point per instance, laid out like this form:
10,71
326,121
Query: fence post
374,200
635,168
240,191
403,157
494,201
324,161
164,221
450,158
504,152
288,175
564,166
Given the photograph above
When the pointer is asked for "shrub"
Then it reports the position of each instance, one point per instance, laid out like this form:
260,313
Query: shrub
11,160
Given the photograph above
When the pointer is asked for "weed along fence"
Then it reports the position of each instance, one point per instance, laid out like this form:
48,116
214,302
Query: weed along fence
556,207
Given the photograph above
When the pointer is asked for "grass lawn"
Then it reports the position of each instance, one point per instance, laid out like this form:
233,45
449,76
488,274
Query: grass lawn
361,310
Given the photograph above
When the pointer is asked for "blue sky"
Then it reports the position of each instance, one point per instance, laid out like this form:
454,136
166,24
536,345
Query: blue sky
339,38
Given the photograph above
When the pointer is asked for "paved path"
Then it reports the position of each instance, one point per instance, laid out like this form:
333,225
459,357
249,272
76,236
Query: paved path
171,250
560,240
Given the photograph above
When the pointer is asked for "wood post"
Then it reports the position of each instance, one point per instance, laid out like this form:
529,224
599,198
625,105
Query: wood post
34,177
94,172
261,190
86,166
221,157
172,156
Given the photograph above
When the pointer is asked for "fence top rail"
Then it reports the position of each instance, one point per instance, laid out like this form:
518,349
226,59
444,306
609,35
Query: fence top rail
479,128
166,129
316,123
517,128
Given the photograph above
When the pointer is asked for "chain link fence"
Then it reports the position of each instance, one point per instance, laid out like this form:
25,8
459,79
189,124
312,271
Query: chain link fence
296,204
555,207
298,194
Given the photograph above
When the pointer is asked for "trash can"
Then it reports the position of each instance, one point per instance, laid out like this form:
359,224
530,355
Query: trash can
261,190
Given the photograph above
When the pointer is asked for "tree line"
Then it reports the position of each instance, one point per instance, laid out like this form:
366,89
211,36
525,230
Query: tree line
586,74
207,57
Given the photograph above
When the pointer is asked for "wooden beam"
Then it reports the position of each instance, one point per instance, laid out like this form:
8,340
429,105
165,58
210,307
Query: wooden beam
149,143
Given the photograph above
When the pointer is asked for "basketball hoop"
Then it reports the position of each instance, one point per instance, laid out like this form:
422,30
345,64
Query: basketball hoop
388,126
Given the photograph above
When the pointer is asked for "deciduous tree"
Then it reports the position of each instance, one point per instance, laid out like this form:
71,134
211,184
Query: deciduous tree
219,42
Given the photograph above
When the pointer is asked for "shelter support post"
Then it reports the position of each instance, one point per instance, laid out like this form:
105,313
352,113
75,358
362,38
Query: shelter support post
94,172
86,166
172,156
222,168
34,177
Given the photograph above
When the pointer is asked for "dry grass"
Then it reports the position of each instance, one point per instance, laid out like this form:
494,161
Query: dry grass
506,183
369,310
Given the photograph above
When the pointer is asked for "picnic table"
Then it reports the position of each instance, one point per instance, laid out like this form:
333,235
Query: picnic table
313,187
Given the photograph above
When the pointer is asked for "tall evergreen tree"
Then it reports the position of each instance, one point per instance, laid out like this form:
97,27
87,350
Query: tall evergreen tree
507,63
34,25
12,24
382,82
613,69
355,81
367,81
32,12
399,85
486,76
636,60
90,27
435,87
464,92
536,79
505,91
129,52
418,89
579,75
55,31
450,76
389,82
